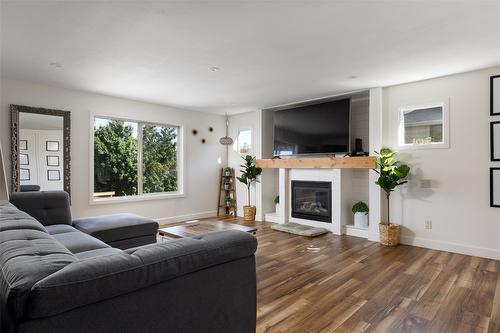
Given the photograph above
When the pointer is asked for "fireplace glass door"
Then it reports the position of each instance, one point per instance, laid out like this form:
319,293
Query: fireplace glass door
312,200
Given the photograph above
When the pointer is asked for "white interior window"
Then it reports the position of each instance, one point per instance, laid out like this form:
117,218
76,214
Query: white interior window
424,126
244,141
134,159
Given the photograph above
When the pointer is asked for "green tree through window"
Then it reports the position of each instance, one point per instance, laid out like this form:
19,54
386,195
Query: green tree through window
159,162
116,158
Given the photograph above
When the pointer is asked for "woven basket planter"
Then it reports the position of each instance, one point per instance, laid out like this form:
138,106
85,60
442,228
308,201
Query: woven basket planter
249,213
389,234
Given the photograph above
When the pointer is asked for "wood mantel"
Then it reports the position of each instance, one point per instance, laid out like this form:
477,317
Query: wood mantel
362,162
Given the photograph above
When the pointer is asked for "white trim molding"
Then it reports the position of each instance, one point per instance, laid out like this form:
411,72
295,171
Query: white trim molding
451,247
186,217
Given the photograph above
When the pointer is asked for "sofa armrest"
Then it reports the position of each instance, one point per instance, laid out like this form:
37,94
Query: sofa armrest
91,280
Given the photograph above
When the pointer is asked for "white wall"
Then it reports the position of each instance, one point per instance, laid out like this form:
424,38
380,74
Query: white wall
244,121
458,200
201,160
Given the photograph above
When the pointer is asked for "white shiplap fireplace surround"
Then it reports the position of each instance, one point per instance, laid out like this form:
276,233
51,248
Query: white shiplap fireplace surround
286,176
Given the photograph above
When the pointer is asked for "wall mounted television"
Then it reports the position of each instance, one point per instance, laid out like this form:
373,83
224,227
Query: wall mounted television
322,128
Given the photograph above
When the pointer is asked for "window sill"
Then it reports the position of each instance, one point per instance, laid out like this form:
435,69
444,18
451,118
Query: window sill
136,198
424,146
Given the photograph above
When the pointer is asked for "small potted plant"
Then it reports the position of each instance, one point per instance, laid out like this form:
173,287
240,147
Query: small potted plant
227,171
277,203
226,184
228,200
392,173
360,210
249,175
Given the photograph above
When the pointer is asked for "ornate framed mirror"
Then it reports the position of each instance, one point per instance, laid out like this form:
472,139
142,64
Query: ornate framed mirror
40,149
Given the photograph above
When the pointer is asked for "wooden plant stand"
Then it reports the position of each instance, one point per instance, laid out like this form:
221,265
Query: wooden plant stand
229,192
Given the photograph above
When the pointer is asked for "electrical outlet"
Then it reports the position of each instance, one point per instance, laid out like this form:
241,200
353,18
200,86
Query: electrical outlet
428,224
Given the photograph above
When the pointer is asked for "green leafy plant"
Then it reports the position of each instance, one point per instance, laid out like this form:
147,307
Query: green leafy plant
227,169
392,173
276,199
115,159
360,207
249,173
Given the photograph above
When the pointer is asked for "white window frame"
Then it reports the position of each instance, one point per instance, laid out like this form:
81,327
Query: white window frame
444,103
237,143
180,193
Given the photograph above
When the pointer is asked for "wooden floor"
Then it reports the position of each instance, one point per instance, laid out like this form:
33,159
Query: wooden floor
347,284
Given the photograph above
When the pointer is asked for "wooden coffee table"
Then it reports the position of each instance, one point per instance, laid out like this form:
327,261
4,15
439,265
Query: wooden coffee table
196,228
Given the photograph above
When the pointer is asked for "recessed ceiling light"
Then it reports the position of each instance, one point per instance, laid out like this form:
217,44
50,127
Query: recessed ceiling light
214,69
55,64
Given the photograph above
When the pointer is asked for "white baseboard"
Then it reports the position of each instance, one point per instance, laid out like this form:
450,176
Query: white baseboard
272,217
451,247
187,217
351,230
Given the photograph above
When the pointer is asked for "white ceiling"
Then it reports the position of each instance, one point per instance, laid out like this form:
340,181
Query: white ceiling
269,53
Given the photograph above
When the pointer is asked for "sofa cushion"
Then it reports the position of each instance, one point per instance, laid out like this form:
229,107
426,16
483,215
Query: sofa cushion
77,241
27,254
97,253
91,280
116,227
48,207
59,229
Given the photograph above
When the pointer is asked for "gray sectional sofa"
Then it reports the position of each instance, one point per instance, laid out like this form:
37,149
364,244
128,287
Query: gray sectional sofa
56,276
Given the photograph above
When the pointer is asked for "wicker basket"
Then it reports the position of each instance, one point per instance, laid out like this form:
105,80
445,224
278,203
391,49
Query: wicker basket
249,213
389,234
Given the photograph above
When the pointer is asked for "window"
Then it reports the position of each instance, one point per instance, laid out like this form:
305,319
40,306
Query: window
423,126
134,158
244,141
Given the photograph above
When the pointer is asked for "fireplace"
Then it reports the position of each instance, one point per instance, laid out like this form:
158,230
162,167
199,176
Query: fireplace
312,200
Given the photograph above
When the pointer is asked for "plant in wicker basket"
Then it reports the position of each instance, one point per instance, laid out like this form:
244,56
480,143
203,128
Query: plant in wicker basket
249,175
392,173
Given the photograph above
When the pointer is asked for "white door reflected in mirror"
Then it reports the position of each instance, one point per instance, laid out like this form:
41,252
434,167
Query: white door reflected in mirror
41,151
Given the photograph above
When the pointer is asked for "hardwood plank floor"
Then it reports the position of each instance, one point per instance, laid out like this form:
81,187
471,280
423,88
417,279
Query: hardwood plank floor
347,284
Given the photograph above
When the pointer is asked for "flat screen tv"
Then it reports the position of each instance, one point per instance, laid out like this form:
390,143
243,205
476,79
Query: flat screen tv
322,128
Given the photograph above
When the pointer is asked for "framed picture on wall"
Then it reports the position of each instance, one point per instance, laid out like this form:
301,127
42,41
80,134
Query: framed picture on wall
52,160
53,175
495,95
52,145
24,174
24,159
23,144
495,141
494,187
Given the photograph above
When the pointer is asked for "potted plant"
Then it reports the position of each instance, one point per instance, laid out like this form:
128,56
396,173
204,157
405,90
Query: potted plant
277,203
249,175
226,184
392,173
227,171
360,210
228,200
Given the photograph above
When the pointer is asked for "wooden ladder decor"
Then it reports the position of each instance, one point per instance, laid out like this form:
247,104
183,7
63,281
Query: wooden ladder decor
227,192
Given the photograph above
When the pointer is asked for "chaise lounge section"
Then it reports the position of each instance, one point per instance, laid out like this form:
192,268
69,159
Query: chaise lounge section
52,208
